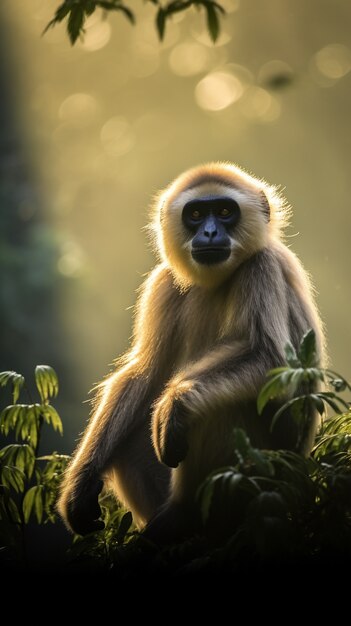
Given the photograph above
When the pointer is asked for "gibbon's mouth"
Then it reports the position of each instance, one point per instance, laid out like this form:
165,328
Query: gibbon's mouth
210,256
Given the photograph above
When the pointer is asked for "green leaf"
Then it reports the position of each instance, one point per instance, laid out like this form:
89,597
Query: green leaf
12,476
19,455
75,23
28,502
5,377
27,459
279,370
124,526
212,21
11,417
299,402
8,453
52,417
47,382
161,22
60,14
61,458
333,400
118,6
13,510
127,12
263,465
89,7
291,356
339,384
206,490
33,431
318,403
334,376
241,442
272,389
27,422
308,350
17,382
32,501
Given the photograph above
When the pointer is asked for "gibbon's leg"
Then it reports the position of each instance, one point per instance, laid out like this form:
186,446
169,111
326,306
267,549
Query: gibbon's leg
143,485
119,425
116,444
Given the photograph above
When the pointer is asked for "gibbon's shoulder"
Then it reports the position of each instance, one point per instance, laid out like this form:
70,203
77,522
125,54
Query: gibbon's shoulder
159,282
159,276
265,263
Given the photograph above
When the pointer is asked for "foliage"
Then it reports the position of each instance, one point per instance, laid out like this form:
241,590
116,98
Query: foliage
278,504
28,481
267,506
299,383
75,12
100,549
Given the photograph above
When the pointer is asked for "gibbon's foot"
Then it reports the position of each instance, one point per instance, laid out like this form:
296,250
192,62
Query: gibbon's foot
172,435
83,510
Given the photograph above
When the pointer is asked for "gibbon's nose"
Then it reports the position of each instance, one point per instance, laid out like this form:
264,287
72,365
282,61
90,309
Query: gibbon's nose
210,229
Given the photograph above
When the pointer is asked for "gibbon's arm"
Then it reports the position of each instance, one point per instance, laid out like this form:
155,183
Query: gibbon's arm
233,371
123,403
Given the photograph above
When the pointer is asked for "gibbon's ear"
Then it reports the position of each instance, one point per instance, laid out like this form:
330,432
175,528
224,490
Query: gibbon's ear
265,205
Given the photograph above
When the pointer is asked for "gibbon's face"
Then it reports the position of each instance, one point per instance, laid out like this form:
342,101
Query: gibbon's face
209,220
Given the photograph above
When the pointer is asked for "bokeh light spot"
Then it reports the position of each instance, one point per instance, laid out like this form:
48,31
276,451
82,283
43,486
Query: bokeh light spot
71,262
218,90
333,61
260,105
117,136
187,59
78,109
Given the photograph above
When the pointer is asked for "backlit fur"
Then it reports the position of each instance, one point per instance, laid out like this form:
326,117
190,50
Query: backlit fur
251,235
204,339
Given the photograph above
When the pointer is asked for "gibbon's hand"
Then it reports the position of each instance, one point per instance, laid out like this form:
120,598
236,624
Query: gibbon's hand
83,510
171,429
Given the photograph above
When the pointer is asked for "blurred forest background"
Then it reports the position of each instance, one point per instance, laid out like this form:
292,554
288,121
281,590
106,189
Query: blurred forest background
88,134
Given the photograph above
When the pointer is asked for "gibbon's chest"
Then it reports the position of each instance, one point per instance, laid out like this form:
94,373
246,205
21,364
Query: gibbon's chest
207,318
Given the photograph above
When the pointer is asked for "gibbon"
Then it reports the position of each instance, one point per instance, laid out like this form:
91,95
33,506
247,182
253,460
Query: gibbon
212,318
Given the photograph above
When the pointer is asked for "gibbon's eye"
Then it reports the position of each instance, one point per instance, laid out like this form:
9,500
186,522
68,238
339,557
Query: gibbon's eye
224,212
195,215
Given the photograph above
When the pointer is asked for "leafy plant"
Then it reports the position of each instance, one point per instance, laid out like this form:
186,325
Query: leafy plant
278,504
28,481
100,549
301,374
77,11
271,503
268,505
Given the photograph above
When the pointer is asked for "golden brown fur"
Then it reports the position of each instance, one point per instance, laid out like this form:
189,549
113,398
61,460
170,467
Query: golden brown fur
204,338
